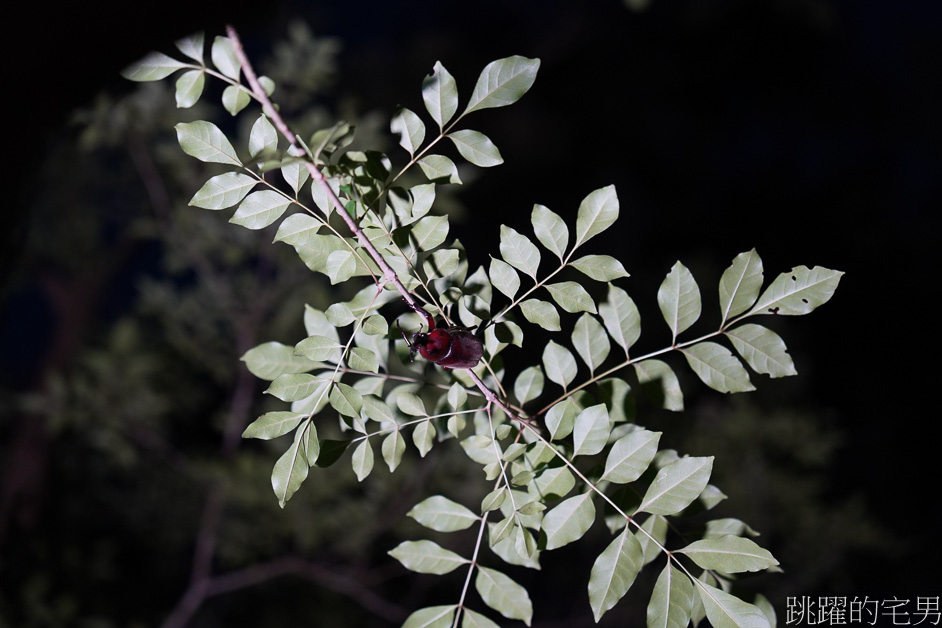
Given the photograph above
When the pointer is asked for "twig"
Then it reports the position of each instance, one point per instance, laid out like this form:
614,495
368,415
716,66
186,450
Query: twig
388,273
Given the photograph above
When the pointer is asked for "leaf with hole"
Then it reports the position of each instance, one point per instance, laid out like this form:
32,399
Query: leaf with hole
798,292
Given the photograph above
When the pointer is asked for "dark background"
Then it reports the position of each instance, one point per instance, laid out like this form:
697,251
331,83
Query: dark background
808,129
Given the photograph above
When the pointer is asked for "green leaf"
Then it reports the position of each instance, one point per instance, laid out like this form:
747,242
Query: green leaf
235,98
762,349
614,572
346,400
363,359
552,483
431,617
717,367
722,527
362,460
630,456
440,263
411,404
295,174
518,251
295,386
727,611
590,341
740,284
504,277
591,430
297,229
558,363
443,515
529,384
410,129
671,600
597,212
316,324
393,448
224,57
476,147
600,267
271,359
330,452
798,292
571,296
439,169
550,230
503,82
341,265
426,557
320,348
189,87
375,325
676,486
503,595
561,418
679,299
260,209
263,137
428,233
340,315
223,190
273,424
290,470
569,520
192,46
440,93
471,619
621,317
153,67
650,371
541,313
729,554
652,533
206,142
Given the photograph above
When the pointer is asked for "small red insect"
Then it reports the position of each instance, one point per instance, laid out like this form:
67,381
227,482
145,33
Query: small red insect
451,347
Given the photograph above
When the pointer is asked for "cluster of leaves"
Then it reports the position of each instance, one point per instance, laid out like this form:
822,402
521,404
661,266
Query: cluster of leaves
550,466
